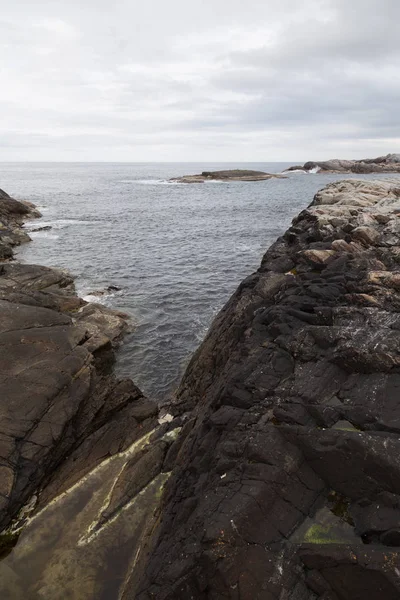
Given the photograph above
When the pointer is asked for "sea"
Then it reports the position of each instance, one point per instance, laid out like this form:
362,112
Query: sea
176,252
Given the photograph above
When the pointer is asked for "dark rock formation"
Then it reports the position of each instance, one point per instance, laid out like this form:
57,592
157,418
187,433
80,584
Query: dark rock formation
274,474
83,457
61,411
44,228
230,175
383,164
12,215
286,478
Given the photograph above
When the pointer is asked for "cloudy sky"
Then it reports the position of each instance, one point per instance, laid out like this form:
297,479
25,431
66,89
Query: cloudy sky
181,80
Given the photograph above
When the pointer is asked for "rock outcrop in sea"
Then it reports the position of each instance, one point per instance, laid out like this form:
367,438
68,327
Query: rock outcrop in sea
229,175
383,164
275,471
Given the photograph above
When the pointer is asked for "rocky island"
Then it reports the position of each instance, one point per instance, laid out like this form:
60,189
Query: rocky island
274,472
383,164
230,175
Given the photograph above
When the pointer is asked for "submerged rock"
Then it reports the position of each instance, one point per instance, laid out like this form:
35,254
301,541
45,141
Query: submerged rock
230,175
44,228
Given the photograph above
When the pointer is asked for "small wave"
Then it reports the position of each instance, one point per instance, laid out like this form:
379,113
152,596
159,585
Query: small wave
29,225
43,234
310,172
151,182
57,224
96,299
294,171
60,223
102,297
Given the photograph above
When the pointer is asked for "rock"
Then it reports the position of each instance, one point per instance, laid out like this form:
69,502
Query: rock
56,389
12,215
318,257
5,251
367,235
353,572
383,164
376,516
231,175
273,473
44,228
109,289
83,457
289,462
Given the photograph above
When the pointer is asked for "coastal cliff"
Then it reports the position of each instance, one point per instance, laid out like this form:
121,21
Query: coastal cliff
273,473
287,477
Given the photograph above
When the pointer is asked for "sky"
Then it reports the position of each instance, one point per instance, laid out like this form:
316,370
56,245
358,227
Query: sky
210,80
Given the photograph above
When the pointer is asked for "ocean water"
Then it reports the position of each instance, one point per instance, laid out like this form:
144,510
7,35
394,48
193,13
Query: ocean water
176,251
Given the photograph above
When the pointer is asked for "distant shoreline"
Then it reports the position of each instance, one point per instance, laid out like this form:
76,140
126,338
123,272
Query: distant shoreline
382,164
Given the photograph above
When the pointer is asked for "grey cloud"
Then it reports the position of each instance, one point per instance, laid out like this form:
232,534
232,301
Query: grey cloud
213,80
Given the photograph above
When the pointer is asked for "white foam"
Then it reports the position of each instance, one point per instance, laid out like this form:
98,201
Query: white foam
95,299
29,225
56,224
151,182
45,234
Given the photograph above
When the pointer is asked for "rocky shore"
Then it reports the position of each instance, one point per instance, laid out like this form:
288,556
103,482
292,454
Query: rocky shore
230,175
62,411
383,164
275,471
287,477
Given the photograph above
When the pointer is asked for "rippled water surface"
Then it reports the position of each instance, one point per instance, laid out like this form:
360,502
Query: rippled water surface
177,251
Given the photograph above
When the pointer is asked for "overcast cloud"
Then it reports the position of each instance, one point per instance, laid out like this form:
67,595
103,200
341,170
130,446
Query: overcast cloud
230,80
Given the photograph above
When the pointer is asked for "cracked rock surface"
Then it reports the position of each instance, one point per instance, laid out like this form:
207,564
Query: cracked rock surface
285,478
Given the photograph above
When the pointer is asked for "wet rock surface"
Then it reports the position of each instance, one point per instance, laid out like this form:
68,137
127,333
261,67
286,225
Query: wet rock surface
230,175
382,164
286,476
